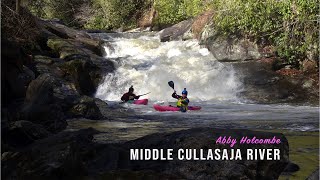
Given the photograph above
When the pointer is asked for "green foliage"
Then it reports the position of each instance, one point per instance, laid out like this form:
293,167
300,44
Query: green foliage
289,25
114,14
61,9
174,11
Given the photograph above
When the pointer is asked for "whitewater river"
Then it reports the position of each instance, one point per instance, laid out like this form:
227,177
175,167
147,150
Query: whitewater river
146,63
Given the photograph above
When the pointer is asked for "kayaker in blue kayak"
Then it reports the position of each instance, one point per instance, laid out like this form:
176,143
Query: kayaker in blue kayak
183,100
129,95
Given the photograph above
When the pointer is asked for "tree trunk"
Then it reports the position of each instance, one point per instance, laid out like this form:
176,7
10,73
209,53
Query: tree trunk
18,5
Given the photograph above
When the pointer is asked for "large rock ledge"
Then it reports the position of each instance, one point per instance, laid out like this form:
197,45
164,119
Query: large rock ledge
51,83
74,154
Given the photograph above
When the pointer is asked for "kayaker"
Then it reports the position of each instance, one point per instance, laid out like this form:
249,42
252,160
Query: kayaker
183,100
129,95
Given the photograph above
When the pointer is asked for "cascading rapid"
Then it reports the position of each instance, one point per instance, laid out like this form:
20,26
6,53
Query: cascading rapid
148,65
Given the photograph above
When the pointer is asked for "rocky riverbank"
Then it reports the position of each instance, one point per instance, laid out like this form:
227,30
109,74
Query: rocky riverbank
266,79
74,154
43,89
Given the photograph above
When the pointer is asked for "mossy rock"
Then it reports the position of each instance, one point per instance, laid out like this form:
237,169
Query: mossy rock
43,59
64,48
86,108
85,75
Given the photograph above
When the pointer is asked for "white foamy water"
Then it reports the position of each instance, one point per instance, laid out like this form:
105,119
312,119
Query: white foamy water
148,65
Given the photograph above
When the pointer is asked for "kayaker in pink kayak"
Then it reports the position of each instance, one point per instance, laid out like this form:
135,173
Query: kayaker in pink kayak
129,95
183,101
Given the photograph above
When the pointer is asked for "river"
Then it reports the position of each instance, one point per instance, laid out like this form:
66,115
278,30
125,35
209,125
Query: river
146,63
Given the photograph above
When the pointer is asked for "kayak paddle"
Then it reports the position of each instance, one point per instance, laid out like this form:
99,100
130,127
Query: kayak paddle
144,94
171,84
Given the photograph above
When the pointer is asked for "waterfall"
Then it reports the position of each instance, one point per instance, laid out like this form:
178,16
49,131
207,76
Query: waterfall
148,64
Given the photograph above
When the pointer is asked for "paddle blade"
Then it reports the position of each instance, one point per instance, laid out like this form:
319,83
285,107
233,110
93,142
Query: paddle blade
171,84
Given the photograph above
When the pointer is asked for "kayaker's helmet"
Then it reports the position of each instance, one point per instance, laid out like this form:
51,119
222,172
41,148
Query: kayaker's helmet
185,91
131,89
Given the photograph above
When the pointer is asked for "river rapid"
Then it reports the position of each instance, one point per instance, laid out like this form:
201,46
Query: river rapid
146,63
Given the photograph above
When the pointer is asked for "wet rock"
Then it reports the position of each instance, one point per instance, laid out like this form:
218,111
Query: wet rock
309,66
232,49
263,85
85,75
291,167
40,90
86,108
12,72
64,48
147,18
176,31
56,157
73,154
200,22
40,106
43,59
314,175
58,28
92,44
22,133
71,47
204,138
85,67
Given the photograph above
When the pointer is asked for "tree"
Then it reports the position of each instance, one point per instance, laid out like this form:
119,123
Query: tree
18,5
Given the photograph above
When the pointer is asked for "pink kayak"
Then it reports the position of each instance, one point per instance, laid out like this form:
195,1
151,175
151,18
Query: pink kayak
173,108
141,101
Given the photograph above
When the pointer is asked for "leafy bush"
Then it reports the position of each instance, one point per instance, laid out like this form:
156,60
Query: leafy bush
67,11
114,14
174,11
291,26
21,28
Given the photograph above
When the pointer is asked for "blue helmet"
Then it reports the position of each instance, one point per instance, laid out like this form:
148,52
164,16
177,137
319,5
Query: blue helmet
185,91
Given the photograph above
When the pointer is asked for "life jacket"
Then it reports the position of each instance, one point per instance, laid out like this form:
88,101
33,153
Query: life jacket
183,105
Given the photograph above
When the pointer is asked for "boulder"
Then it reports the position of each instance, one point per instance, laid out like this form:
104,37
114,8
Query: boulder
22,133
43,59
261,84
200,22
86,108
291,168
85,67
13,73
176,32
81,46
309,66
232,48
40,90
92,44
56,27
65,48
147,18
85,75
56,157
204,138
74,154
40,106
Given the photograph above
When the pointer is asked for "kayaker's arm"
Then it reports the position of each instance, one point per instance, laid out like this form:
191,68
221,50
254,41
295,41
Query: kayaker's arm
125,97
175,95
136,97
